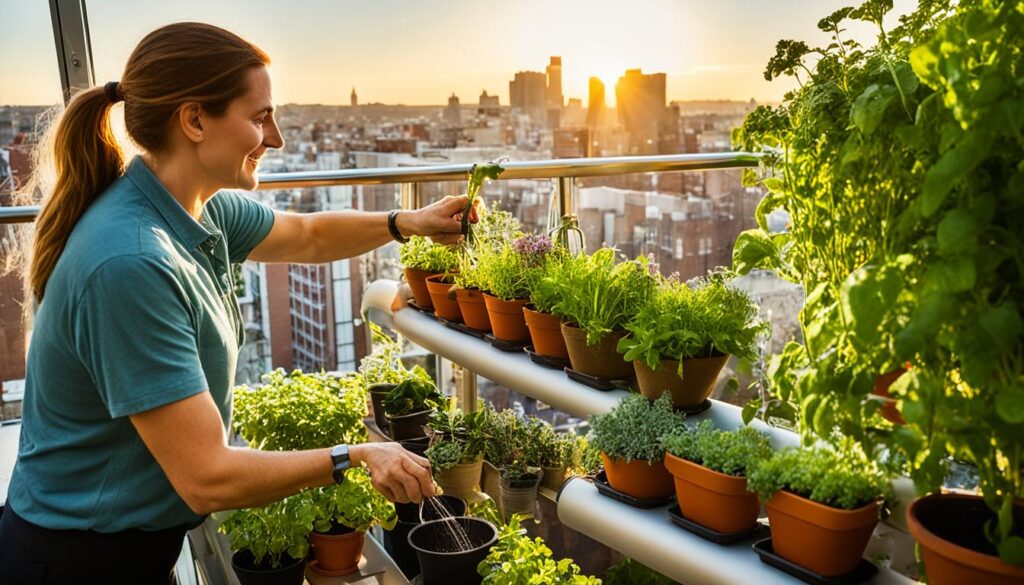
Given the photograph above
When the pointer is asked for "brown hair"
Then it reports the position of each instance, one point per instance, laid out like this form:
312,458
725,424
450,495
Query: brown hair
178,63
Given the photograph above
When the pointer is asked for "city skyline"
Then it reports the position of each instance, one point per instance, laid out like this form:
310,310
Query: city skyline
414,53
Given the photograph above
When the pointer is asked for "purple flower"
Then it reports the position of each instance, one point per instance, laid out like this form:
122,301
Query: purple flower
532,245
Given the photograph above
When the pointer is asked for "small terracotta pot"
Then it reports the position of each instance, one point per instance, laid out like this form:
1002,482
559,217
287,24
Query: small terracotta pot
699,377
444,306
638,478
462,480
507,320
713,499
417,280
601,360
882,383
828,541
938,521
553,478
546,333
337,554
473,309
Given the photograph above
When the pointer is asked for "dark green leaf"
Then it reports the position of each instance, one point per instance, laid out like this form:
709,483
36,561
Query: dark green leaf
952,275
754,249
958,232
954,165
870,106
1010,404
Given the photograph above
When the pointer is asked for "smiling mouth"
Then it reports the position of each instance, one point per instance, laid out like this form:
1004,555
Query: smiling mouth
253,159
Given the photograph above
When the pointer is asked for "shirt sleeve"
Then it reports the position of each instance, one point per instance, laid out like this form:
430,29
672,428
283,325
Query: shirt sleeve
244,222
135,333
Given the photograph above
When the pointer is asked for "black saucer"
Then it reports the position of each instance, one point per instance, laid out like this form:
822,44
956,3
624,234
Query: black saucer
421,309
605,489
462,327
598,383
864,571
696,409
509,346
551,362
706,533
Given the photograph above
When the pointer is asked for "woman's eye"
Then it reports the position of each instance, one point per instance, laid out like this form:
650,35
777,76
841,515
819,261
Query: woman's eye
258,121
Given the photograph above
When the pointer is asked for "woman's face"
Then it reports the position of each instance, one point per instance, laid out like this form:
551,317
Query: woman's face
233,143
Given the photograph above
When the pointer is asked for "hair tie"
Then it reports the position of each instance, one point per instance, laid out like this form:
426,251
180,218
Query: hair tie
111,89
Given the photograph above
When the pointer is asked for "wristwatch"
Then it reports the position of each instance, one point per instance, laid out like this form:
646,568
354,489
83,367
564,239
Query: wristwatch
393,228
339,457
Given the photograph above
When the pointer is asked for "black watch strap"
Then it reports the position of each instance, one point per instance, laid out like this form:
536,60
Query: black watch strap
393,227
341,462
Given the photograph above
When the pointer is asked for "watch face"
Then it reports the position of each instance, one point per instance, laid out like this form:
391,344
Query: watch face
339,454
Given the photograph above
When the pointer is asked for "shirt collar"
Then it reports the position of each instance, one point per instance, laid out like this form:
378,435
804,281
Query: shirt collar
190,232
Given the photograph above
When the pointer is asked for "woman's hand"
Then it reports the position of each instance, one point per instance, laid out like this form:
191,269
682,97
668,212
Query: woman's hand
441,221
399,474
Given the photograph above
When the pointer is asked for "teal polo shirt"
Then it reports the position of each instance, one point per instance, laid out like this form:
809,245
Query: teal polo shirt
138,313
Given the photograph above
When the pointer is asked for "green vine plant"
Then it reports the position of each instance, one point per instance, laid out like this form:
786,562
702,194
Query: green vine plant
516,559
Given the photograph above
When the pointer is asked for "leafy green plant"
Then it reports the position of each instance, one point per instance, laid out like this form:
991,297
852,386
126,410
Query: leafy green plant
413,395
518,560
630,572
274,530
729,452
422,253
598,295
477,175
543,447
679,323
634,428
384,365
301,411
492,233
546,289
504,430
586,458
823,475
353,503
509,272
456,437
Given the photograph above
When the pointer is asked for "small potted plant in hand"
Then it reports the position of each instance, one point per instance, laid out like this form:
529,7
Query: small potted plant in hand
408,406
629,437
270,542
822,505
422,257
342,515
457,444
681,338
710,468
492,233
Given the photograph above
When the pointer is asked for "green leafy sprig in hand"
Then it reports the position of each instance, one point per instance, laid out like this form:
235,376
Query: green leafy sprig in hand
477,175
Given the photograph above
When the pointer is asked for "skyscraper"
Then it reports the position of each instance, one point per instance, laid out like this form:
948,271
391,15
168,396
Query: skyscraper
453,113
354,99
555,101
488,105
640,100
595,103
528,93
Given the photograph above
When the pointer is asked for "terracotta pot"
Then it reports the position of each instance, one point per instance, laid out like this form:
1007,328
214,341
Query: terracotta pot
546,333
882,383
473,309
337,554
553,478
507,320
462,480
408,426
950,530
638,478
417,280
828,541
599,360
699,377
445,307
716,500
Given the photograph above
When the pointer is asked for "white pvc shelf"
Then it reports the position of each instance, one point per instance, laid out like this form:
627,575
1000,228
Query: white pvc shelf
645,535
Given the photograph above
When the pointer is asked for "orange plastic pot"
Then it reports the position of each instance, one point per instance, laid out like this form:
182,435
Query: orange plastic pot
882,383
507,320
601,360
473,309
716,500
336,554
417,280
546,333
699,377
828,541
942,524
639,479
445,306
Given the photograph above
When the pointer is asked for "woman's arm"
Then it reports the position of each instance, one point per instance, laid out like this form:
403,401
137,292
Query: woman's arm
187,439
316,238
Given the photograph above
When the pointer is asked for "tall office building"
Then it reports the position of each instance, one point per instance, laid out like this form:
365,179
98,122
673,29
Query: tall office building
353,99
641,103
528,93
488,105
453,113
596,103
555,100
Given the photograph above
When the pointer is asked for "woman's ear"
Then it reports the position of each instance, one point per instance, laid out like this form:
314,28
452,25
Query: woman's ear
190,121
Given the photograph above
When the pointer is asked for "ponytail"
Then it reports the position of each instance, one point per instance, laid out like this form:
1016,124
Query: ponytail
87,159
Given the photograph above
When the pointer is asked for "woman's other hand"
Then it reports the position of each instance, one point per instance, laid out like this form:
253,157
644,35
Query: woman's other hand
441,221
400,475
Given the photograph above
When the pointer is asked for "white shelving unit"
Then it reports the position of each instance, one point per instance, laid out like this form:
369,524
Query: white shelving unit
645,535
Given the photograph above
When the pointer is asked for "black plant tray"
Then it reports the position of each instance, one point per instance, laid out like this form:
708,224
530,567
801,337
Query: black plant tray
605,489
424,310
598,383
551,362
864,571
509,346
714,536
462,327
696,409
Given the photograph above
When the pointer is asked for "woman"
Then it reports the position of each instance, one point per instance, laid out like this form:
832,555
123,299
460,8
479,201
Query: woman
123,440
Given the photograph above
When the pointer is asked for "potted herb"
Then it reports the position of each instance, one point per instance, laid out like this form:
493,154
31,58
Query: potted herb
457,444
680,340
541,318
408,406
597,299
822,506
382,370
342,515
710,468
550,451
508,273
422,257
516,559
270,542
629,437
505,431
493,232
440,287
